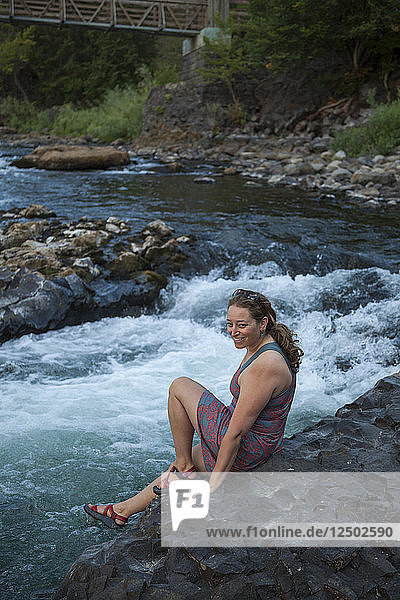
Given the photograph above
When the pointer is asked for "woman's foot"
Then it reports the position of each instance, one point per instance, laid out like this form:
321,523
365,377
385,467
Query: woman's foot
111,515
172,474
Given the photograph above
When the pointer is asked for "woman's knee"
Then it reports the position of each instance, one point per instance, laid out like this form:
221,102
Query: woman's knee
178,384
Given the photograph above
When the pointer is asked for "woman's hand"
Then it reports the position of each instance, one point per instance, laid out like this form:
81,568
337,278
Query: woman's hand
216,480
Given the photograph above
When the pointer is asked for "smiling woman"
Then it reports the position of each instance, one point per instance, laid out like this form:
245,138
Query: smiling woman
238,437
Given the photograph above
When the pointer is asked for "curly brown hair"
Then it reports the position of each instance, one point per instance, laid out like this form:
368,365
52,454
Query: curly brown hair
259,307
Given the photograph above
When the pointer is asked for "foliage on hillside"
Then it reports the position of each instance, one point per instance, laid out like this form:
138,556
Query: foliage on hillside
50,66
343,39
98,80
16,49
117,116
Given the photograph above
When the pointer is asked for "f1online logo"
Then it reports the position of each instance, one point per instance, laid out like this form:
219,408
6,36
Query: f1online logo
188,500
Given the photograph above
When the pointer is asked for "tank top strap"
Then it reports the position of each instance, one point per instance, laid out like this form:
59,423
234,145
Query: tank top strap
270,346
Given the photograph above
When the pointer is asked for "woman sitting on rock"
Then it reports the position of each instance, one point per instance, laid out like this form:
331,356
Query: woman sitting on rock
243,435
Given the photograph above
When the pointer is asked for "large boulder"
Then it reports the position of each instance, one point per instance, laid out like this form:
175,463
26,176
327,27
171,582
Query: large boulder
18,233
72,158
126,264
362,436
30,303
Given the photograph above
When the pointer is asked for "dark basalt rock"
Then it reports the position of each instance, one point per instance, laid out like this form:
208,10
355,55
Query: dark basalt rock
29,303
362,436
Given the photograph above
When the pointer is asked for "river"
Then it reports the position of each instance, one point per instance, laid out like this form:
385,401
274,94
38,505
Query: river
83,410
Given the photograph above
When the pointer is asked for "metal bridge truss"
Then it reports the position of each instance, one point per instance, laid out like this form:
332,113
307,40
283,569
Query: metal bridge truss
176,17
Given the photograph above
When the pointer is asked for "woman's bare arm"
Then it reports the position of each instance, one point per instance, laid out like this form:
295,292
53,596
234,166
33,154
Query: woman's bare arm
257,385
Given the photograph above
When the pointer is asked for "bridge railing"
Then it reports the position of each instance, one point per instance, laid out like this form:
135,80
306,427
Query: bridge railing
179,17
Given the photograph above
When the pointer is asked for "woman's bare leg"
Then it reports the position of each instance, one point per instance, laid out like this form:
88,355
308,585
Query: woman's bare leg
197,457
140,501
132,505
184,396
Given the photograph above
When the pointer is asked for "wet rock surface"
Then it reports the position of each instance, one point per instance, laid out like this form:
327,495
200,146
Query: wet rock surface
71,158
362,436
55,273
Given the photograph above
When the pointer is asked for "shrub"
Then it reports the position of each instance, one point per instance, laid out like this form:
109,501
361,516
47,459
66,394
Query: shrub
381,135
119,115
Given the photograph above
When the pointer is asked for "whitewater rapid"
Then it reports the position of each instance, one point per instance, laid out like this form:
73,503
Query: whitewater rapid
113,375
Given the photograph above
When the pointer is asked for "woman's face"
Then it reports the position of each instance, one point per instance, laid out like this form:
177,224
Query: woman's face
243,329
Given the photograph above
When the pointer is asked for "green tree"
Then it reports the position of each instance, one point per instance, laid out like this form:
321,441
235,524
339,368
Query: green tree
77,65
349,37
83,64
16,49
225,59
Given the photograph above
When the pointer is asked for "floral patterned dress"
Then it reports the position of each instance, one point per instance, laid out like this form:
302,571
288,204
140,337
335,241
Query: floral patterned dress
265,437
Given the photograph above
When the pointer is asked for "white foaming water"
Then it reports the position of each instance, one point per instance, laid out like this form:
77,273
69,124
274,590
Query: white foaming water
113,375
123,366
4,162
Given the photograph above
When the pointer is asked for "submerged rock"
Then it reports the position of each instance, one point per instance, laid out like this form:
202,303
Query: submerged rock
362,436
204,180
72,158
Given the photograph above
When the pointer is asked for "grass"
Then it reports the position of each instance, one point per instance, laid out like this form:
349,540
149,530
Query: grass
118,115
381,135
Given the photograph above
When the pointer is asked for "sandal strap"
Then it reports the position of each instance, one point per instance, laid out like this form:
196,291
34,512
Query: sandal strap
106,509
185,474
114,515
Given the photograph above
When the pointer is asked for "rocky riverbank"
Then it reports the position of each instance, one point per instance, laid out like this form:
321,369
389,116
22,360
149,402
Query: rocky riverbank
55,273
287,140
362,436
302,160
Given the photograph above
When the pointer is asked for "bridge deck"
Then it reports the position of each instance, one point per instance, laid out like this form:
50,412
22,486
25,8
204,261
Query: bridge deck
178,17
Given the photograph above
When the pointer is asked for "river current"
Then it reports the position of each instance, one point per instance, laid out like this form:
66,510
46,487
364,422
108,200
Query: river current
83,410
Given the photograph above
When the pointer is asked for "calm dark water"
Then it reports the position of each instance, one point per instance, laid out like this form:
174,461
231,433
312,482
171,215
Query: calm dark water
331,271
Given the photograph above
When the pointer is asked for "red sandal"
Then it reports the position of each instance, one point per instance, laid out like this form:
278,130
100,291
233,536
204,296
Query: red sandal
91,509
179,474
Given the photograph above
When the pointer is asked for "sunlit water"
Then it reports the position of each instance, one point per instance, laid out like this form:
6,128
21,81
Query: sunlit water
83,410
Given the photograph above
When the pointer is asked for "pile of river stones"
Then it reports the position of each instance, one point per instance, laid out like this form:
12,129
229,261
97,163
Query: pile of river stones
362,436
303,161
54,272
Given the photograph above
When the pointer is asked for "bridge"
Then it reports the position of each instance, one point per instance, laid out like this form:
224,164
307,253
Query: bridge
186,18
